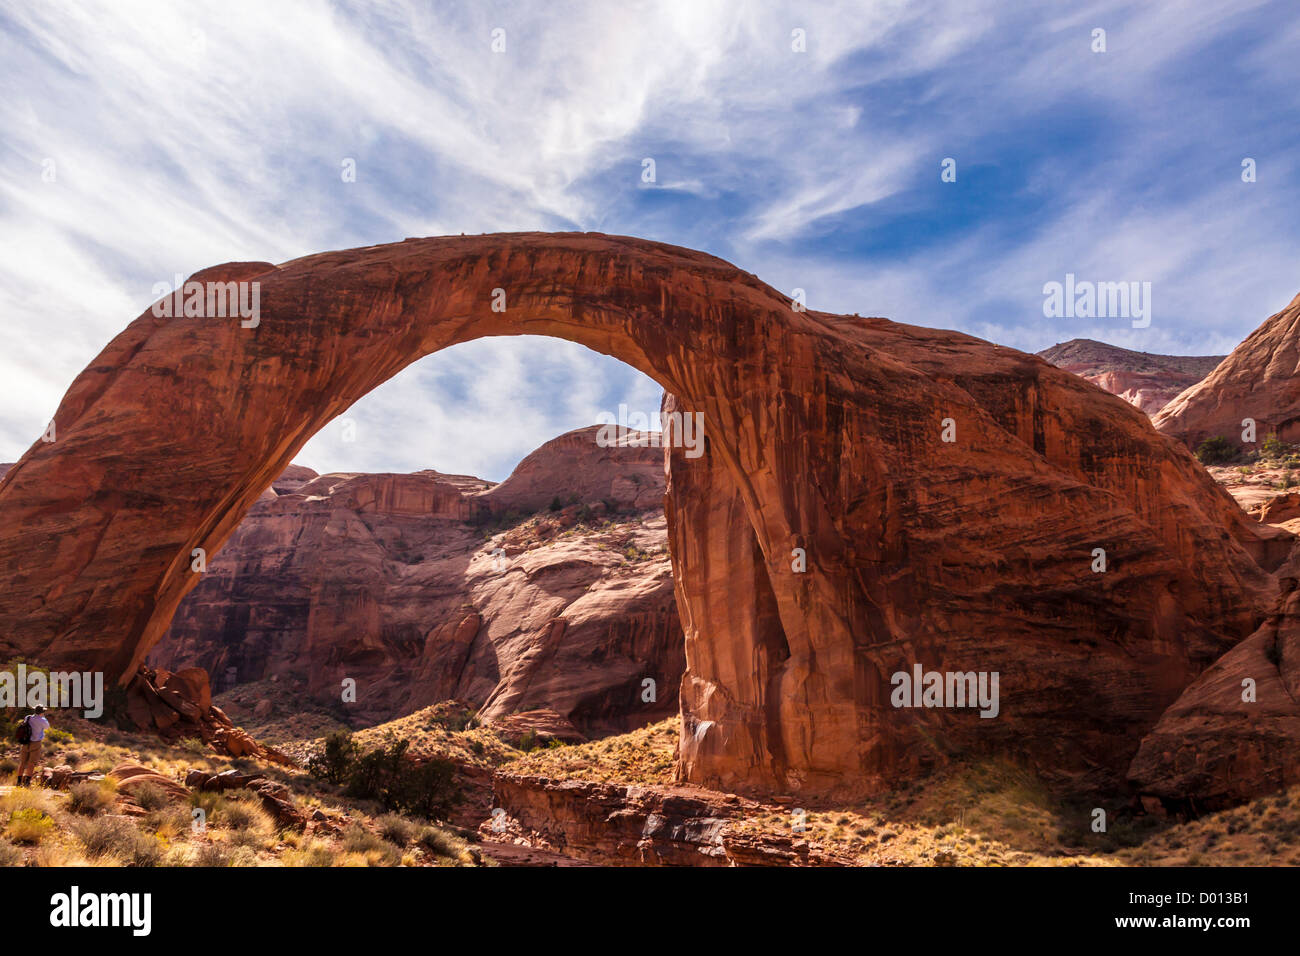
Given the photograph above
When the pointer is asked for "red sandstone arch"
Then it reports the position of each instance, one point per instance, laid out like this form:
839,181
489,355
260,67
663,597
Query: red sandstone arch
824,432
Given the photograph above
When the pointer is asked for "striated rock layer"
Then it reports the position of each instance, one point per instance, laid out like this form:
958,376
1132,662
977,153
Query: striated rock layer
390,581
824,433
1142,379
1259,380
1233,733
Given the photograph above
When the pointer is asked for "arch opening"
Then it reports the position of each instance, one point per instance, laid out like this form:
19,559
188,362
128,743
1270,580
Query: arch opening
425,579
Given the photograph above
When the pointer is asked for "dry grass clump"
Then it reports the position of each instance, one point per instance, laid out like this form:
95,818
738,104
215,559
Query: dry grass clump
644,756
28,815
373,849
118,839
92,796
397,829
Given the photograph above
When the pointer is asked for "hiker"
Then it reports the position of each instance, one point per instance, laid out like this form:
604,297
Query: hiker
31,734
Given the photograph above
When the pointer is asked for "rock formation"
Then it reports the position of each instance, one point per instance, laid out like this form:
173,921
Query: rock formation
1233,733
179,705
1142,379
389,580
872,497
1260,380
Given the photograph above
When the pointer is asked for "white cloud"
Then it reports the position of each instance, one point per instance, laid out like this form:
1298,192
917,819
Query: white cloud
186,135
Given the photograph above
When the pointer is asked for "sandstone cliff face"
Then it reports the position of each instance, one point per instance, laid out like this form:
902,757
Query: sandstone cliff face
390,581
1143,380
1233,734
575,467
1259,380
615,824
948,495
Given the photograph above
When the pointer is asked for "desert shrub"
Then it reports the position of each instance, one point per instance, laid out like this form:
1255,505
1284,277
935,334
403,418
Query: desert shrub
24,798
91,796
118,838
214,854
7,766
440,842
315,853
29,825
250,824
194,745
1274,447
209,801
10,855
149,796
1216,451
243,813
170,822
376,850
398,829
391,776
336,761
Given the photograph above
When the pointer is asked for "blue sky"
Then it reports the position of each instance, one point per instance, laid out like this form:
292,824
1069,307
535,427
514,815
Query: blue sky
181,136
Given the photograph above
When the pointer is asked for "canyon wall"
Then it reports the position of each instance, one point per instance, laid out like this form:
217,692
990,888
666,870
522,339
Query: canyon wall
405,584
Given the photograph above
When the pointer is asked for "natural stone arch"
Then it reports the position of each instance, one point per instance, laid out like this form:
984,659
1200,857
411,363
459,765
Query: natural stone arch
823,433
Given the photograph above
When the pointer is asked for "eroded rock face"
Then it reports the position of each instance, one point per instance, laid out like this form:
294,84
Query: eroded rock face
824,433
389,580
179,705
577,467
1233,734
628,825
1144,380
1259,380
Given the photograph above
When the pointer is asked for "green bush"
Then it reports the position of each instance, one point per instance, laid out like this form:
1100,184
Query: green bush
1216,451
389,775
1274,447
337,760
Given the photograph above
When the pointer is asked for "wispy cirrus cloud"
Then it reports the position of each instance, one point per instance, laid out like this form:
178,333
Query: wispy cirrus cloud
181,136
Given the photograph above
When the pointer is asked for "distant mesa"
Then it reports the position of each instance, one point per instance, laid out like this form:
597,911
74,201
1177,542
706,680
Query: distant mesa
1140,378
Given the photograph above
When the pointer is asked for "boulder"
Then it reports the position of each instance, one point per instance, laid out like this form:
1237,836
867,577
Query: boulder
130,778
